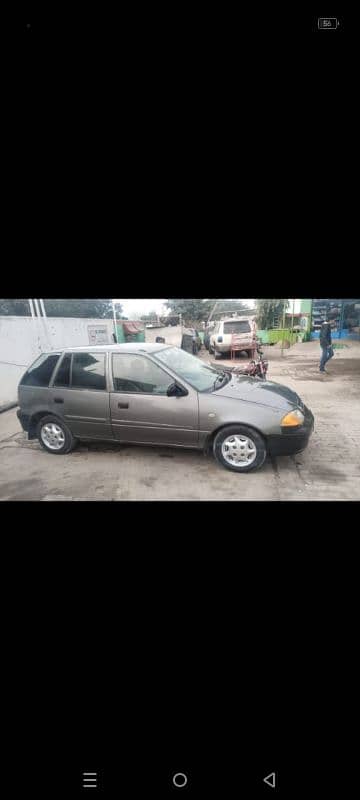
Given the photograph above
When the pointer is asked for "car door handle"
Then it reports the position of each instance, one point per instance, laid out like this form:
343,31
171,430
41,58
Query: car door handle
123,405
58,400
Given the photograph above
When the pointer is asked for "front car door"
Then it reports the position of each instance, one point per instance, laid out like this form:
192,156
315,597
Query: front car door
80,394
141,410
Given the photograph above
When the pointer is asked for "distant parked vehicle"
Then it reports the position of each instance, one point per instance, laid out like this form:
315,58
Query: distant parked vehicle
221,336
198,340
191,341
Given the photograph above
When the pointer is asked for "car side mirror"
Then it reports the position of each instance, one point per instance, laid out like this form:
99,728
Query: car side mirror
175,390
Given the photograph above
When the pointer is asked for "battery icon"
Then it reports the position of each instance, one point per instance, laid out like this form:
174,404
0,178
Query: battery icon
327,23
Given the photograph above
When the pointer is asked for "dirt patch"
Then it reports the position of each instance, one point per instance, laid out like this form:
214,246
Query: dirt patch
149,482
100,447
33,444
29,489
275,467
325,473
339,366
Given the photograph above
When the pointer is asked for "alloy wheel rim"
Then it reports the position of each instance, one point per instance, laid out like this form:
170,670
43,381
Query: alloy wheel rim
53,436
239,450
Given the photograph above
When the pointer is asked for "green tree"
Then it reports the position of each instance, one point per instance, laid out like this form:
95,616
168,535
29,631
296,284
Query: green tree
96,308
267,310
149,317
16,308
232,307
194,311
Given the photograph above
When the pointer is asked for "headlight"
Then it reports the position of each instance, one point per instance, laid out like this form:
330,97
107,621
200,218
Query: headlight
295,418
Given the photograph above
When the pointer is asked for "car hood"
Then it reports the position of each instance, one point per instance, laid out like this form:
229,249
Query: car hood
265,393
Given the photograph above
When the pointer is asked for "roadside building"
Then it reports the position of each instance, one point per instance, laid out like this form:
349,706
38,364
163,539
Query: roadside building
303,317
290,326
343,315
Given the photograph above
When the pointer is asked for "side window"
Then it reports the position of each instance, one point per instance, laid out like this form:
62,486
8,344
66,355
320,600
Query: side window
62,377
88,371
40,372
134,373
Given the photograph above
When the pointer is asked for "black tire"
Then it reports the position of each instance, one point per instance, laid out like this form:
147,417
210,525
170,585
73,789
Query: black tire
211,349
69,440
243,431
217,355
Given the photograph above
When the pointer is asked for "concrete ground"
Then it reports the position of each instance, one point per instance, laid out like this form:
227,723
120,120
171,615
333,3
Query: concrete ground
329,469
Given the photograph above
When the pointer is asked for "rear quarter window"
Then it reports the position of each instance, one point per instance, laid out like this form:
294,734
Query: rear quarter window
39,374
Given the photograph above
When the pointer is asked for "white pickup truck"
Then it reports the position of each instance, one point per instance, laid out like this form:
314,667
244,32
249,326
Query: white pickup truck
244,328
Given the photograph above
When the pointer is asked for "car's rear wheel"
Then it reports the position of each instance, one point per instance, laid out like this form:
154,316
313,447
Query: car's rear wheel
239,448
54,436
217,354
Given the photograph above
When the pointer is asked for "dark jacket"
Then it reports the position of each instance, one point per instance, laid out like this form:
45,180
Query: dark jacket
325,335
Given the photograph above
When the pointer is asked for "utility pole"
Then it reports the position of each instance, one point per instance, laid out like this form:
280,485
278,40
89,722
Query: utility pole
44,322
115,326
283,334
292,320
212,313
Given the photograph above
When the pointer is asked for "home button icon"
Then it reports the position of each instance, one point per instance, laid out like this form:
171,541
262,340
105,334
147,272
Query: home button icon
180,780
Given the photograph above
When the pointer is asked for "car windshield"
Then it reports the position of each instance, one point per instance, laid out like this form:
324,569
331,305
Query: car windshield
199,375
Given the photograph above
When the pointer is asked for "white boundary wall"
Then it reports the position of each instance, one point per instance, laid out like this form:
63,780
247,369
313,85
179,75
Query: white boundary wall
22,339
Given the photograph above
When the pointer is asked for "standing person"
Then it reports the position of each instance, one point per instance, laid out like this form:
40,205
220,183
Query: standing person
326,345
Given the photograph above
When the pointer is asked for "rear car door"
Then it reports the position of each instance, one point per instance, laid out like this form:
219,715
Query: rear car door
80,394
141,410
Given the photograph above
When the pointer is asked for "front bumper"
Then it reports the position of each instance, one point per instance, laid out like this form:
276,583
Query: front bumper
292,440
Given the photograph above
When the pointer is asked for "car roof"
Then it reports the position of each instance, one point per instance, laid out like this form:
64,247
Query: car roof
236,319
131,347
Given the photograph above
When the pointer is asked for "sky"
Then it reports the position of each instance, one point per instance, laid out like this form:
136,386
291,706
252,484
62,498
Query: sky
144,306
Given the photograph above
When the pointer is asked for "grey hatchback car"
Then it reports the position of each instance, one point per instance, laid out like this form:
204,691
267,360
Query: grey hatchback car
153,394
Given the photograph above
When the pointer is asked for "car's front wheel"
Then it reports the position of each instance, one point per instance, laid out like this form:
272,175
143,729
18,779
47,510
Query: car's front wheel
54,436
239,448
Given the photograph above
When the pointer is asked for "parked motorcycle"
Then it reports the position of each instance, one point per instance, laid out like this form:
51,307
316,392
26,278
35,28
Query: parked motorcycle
256,369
